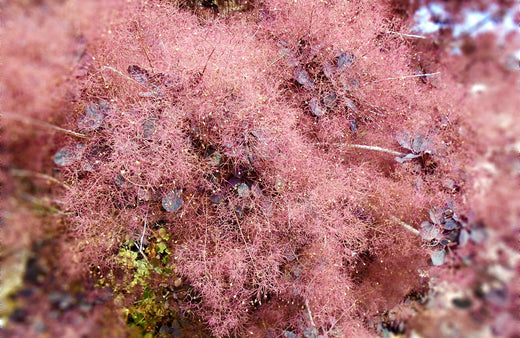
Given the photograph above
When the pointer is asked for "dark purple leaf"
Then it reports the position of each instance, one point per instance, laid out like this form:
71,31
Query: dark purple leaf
69,154
216,197
243,190
406,158
345,60
351,84
353,125
139,74
450,224
444,241
122,182
172,201
289,56
302,77
328,70
316,108
429,231
350,105
329,100
94,116
434,216
463,237
453,236
498,297
149,127
417,144
404,140
234,182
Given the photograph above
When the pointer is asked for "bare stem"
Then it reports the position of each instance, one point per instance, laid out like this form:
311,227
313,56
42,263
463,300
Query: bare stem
123,75
309,312
27,173
406,77
375,148
42,124
144,256
408,35
187,204
140,38
405,225
144,232
362,146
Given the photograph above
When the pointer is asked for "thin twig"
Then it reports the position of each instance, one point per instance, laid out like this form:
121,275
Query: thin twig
42,124
405,77
122,74
376,112
183,210
136,184
288,215
275,61
408,35
245,243
375,148
362,146
207,61
28,173
206,273
309,312
144,231
140,38
405,225
144,256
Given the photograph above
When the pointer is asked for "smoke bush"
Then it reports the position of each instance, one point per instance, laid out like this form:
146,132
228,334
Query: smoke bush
259,150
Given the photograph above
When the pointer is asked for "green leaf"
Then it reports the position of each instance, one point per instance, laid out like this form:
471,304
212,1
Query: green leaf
164,234
161,248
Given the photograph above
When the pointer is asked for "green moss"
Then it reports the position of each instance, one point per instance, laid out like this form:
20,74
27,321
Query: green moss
143,290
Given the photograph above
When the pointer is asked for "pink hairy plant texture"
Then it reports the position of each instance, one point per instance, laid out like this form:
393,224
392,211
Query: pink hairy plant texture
272,168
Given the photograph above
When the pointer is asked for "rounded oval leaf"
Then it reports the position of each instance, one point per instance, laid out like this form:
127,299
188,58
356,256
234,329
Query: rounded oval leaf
69,154
148,127
303,78
172,201
418,144
404,140
139,74
450,224
329,99
345,60
463,237
478,235
94,116
243,190
316,108
438,257
429,231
